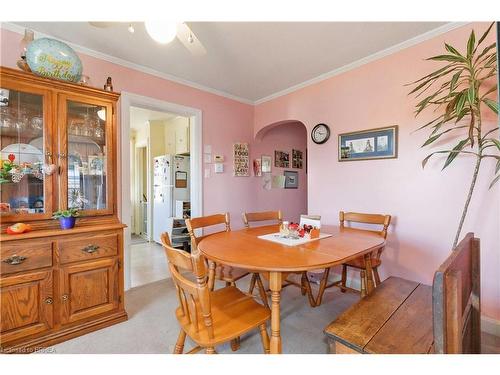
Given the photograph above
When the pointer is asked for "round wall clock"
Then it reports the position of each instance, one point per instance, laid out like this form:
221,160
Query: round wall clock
320,133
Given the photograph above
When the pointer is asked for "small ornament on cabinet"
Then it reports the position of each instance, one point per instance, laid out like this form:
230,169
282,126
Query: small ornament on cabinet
109,85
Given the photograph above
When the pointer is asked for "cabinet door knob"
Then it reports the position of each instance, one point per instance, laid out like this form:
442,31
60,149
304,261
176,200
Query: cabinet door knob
15,260
48,300
65,297
90,249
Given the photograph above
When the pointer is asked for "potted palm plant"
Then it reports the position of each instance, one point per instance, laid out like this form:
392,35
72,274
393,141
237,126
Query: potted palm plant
67,218
459,91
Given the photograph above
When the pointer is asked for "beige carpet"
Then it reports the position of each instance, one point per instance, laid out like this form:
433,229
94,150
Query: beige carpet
152,327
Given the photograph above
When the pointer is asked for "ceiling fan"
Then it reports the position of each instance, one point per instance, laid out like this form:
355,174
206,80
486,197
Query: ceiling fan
164,32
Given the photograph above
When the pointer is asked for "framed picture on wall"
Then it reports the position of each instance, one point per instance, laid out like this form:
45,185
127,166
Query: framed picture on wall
241,160
380,143
266,162
281,159
297,159
291,180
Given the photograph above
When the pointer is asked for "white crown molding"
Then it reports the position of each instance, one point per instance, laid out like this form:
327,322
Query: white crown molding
365,60
116,60
355,64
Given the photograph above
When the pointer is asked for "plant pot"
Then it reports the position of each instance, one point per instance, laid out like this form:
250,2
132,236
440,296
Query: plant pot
67,222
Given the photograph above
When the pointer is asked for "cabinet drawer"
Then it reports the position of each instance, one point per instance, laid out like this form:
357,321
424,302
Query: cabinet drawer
87,248
25,255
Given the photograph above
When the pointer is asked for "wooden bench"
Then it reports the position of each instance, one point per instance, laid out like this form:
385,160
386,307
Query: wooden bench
406,317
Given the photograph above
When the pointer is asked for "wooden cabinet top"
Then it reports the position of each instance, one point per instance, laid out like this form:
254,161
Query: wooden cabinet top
57,84
59,232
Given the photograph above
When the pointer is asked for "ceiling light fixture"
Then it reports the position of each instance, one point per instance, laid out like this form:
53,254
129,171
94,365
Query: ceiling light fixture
161,31
130,29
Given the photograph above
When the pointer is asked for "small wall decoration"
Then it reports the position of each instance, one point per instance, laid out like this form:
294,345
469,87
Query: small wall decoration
257,167
241,159
297,159
380,143
51,58
266,162
291,179
266,181
281,159
278,182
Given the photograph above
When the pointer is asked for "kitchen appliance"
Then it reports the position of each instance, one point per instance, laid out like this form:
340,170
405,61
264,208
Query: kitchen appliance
166,190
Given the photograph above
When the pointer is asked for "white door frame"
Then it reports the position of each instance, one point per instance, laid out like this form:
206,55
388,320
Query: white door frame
124,212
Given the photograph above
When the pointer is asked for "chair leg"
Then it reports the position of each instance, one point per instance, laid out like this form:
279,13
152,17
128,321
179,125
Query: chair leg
376,276
210,350
322,286
264,337
307,287
262,291
344,278
179,345
235,344
252,283
211,275
363,283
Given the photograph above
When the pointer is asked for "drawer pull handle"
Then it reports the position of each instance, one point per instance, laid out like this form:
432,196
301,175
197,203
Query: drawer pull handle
15,260
90,249
48,300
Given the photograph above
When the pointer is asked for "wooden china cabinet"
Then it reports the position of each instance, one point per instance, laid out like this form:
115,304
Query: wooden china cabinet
57,284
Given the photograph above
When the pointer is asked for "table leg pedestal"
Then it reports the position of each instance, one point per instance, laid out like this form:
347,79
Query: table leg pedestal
275,286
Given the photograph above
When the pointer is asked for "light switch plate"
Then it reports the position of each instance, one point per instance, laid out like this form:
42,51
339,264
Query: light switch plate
219,168
208,158
207,172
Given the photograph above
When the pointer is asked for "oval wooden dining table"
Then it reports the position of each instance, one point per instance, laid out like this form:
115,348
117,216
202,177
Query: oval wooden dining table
243,249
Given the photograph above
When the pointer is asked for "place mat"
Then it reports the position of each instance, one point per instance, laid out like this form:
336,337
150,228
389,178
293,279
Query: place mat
275,237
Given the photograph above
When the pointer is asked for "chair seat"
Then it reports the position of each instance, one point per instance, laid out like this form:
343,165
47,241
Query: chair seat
229,274
233,314
359,263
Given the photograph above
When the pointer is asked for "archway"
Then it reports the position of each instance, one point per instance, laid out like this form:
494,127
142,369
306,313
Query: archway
290,138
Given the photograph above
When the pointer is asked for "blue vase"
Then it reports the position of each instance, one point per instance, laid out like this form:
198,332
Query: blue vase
67,222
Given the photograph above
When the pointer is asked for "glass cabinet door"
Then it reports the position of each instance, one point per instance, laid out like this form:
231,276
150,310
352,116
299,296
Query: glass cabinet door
26,158
88,165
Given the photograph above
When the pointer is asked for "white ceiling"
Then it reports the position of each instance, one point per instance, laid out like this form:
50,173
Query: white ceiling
139,116
249,60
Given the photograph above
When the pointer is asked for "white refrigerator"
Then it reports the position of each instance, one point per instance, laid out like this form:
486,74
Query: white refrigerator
170,183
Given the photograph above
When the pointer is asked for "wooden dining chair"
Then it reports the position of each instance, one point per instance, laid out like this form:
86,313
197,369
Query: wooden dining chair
250,217
276,217
210,318
221,272
358,263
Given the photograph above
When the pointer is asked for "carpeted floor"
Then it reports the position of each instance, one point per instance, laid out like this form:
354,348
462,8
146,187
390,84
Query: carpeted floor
152,327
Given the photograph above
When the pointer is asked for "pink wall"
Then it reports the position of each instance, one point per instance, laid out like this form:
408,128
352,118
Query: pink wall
283,137
425,204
